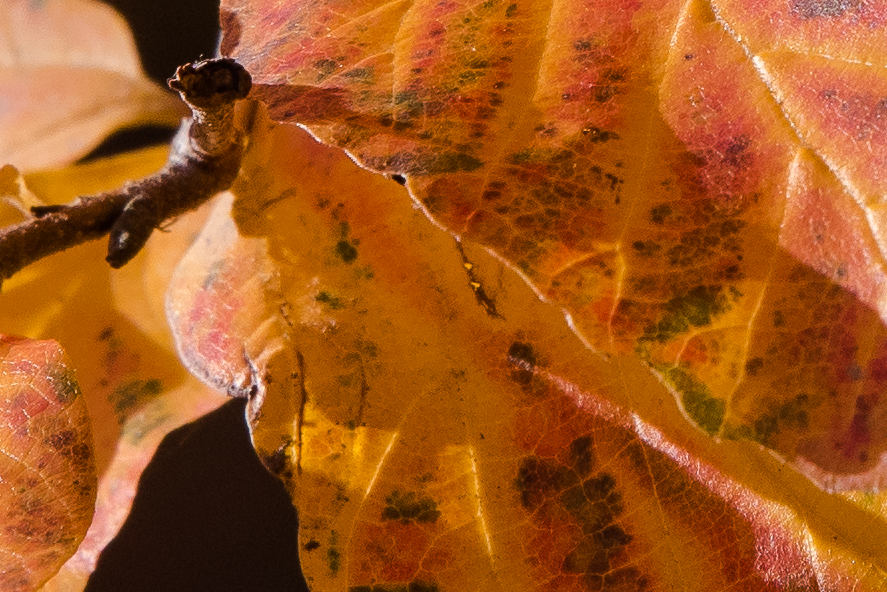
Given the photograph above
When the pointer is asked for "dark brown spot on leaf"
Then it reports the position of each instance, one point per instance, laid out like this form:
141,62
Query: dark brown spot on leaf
582,455
523,357
539,480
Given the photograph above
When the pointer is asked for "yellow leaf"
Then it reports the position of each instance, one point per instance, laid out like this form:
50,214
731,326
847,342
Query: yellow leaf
438,437
691,185
113,326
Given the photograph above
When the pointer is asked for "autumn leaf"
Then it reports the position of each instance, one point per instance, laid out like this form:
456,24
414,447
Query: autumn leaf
440,427
70,74
136,389
425,403
113,327
689,185
48,483
652,261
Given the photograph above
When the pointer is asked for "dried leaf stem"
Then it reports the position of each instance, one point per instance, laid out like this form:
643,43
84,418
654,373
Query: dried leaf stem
204,159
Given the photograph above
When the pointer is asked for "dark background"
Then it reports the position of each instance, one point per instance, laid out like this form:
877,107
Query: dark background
168,34
207,515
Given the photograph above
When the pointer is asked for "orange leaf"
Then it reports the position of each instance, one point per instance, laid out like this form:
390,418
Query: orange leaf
692,186
441,428
47,470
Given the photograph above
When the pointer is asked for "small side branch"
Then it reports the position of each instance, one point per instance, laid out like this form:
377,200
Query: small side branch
204,159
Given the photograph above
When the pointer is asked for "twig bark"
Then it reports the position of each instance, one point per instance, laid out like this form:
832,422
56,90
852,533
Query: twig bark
204,159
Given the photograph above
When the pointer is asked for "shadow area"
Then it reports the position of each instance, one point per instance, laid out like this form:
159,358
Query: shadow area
207,516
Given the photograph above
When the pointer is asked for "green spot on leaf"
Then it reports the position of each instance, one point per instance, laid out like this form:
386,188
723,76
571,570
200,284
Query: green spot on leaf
705,410
408,507
451,162
334,302
333,556
346,251
359,74
753,366
66,385
792,415
539,479
696,308
133,393
325,67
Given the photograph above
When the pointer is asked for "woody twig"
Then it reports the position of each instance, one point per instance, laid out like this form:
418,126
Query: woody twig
204,159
